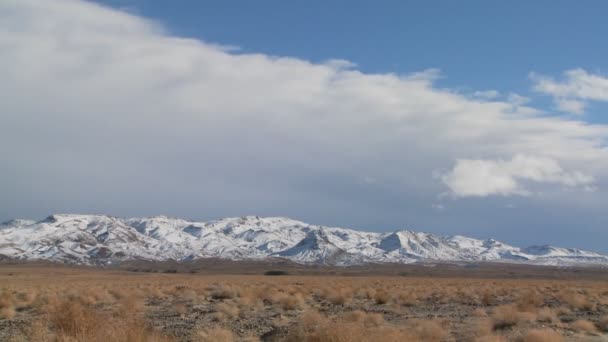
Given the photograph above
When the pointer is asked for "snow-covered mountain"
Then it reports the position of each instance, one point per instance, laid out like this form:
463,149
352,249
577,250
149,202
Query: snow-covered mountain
98,239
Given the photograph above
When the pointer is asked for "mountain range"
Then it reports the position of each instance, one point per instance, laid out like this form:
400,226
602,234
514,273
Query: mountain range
102,240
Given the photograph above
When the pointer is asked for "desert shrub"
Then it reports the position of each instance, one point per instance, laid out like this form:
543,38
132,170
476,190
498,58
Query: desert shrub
228,310
212,335
6,299
7,305
382,297
542,335
70,309
180,308
71,320
481,328
187,294
575,300
366,293
584,325
309,324
97,295
563,310
156,292
506,316
406,298
24,298
351,332
428,330
490,338
338,296
365,318
464,296
38,332
479,312
223,292
529,301
8,312
314,327
290,302
546,315
487,298
249,299
603,324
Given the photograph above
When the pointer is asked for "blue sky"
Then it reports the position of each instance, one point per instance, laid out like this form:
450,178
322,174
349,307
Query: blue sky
474,118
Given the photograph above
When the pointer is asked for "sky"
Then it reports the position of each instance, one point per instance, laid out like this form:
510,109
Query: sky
472,118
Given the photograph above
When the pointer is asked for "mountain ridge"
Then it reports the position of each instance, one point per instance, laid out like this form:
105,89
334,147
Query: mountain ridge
102,239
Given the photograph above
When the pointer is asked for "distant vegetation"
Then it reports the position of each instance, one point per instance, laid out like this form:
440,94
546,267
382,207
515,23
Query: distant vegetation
275,273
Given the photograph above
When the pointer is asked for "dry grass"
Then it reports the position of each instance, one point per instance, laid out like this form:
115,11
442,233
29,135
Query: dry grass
547,315
71,320
490,338
487,298
338,296
222,292
227,310
355,327
584,326
382,297
7,306
364,318
407,298
84,305
529,301
288,301
428,330
506,316
603,324
576,300
479,312
8,313
212,335
542,335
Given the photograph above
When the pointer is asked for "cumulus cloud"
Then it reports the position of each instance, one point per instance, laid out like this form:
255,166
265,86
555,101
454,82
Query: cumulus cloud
486,94
479,177
570,106
104,110
572,94
517,100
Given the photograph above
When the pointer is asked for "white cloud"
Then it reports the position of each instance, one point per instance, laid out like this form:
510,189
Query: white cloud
517,100
486,94
572,94
570,106
479,177
104,108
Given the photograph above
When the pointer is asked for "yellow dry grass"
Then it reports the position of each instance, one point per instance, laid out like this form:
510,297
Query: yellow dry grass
70,304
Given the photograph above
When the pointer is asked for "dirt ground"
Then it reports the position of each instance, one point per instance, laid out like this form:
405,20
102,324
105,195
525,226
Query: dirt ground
59,303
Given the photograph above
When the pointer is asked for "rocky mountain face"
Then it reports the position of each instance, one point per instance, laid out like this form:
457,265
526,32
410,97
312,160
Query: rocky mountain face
98,239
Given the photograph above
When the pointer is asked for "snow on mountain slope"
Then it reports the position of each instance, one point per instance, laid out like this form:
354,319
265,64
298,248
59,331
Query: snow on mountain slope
315,247
487,250
99,239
